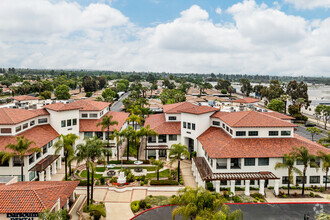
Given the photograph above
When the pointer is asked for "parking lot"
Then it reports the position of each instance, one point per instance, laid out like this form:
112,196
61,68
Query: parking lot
301,130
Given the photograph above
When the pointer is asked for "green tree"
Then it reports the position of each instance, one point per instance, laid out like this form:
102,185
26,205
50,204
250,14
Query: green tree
106,122
153,87
325,141
246,86
61,214
323,112
276,105
128,134
20,149
301,154
65,143
158,165
48,85
101,82
176,152
62,92
146,131
285,99
89,84
46,95
121,87
222,84
314,131
116,135
288,163
231,90
108,95
297,90
325,165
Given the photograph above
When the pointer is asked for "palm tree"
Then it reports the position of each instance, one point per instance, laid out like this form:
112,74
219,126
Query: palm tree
177,151
302,154
135,119
49,215
325,141
288,163
128,133
20,149
106,123
285,98
65,143
325,165
158,164
116,134
147,132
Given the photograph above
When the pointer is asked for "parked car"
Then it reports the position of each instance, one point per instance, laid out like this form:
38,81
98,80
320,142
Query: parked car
309,124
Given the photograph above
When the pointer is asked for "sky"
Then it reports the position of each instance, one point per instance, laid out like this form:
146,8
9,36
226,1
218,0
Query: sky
284,37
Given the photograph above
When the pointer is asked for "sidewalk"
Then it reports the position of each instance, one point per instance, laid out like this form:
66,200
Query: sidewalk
187,176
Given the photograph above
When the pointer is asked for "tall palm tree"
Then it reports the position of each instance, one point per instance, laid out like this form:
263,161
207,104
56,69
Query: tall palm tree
116,134
128,133
106,123
158,164
176,152
146,131
20,149
325,165
135,119
288,163
285,98
325,141
302,154
65,143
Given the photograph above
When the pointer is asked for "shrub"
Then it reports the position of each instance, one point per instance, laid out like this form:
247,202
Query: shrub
146,181
270,187
261,200
135,206
311,194
237,199
142,184
254,195
284,196
84,183
148,206
193,154
255,200
89,94
295,194
163,182
209,186
130,178
142,203
102,180
237,188
113,179
127,162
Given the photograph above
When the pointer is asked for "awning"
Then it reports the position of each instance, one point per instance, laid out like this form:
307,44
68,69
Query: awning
207,174
157,147
44,163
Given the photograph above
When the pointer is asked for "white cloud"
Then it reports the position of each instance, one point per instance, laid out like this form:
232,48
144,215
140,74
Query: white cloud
261,40
309,4
218,10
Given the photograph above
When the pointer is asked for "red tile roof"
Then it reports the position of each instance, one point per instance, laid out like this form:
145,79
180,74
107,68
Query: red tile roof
9,116
278,115
159,124
82,105
25,98
86,125
219,114
252,119
40,112
177,107
246,100
41,135
219,144
197,110
34,197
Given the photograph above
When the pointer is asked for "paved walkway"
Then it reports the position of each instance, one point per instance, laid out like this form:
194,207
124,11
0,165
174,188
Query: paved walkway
187,176
73,211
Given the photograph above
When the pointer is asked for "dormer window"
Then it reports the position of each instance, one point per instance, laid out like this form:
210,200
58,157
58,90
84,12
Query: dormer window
253,133
32,123
5,130
273,133
172,118
18,128
216,123
84,115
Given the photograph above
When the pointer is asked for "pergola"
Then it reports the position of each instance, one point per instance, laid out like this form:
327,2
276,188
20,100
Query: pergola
157,148
45,164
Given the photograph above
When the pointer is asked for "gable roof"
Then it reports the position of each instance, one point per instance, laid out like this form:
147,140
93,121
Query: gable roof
197,110
159,124
246,100
177,107
25,98
82,105
86,125
9,116
41,135
219,144
278,115
252,119
34,197
58,107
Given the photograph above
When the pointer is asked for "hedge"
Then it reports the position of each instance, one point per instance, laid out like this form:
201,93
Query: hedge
127,162
163,182
135,206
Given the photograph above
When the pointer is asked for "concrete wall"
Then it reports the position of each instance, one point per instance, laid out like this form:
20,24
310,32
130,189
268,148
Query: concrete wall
57,117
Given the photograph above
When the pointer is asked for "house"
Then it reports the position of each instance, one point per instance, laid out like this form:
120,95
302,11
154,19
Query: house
232,148
43,126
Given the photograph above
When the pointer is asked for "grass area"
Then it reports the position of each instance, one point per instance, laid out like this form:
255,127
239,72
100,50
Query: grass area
100,169
97,210
83,174
163,173
158,200
147,168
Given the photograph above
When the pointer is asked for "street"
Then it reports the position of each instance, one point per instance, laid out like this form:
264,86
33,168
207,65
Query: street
301,130
116,106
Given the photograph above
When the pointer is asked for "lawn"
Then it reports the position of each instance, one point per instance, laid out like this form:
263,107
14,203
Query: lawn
147,168
163,173
100,169
158,200
83,174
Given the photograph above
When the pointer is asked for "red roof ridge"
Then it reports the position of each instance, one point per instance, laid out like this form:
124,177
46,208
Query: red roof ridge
40,200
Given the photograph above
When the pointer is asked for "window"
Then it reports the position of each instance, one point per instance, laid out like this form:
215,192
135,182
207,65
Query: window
317,162
238,182
74,121
252,182
4,164
216,123
25,125
184,124
88,134
172,118
240,133
231,131
223,125
68,122
299,162
285,133
325,179
189,125
249,161
263,161
162,138
63,124
32,175
193,126
172,137
314,179
93,115
273,133
299,179
31,158
44,149
19,128
253,133
221,163
32,123
38,155
99,135
152,139
50,144
42,120
17,161
5,130
84,115
223,182
285,180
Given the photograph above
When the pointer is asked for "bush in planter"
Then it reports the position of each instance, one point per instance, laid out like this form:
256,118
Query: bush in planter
113,179
135,206
163,182
255,200
257,195
193,154
142,204
311,194
84,183
130,178
148,206
237,199
89,94
209,186
261,200
102,180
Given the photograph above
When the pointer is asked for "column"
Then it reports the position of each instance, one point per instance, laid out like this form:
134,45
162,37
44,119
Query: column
262,187
232,186
217,186
42,176
228,163
247,187
113,153
59,163
54,167
276,187
48,173
167,155
157,154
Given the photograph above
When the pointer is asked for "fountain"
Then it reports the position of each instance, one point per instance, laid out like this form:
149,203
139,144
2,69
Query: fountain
121,179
